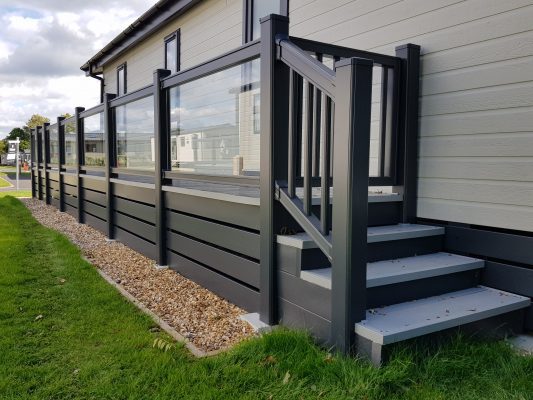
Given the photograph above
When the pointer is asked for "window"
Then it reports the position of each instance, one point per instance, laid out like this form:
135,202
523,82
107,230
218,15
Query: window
172,52
122,77
255,10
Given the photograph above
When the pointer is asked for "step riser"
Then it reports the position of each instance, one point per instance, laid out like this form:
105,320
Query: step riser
498,327
412,290
378,213
294,260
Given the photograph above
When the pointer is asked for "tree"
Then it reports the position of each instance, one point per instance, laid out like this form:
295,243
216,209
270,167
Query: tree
36,120
3,147
22,134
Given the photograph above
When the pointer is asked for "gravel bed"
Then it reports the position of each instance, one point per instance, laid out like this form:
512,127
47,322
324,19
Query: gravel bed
208,321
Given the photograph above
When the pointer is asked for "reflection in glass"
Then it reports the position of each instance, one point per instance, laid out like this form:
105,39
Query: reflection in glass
43,145
135,134
260,9
212,123
171,54
54,144
71,147
93,140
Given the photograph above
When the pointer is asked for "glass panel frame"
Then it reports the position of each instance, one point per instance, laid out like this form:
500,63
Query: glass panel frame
94,141
212,123
134,135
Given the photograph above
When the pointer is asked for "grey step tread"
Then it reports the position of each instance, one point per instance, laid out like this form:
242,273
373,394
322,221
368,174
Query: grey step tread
388,272
374,234
421,317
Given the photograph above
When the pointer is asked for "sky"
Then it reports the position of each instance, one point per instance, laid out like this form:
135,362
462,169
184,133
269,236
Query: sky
43,44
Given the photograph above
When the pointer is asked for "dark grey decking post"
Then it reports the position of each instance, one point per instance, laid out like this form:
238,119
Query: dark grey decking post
162,163
46,144
79,159
408,140
33,161
274,123
61,145
109,137
38,131
351,141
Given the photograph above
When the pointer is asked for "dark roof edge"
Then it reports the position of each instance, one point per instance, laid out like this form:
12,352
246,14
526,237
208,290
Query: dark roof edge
153,19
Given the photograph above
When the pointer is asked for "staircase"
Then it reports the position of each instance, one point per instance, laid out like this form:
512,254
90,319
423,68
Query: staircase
414,288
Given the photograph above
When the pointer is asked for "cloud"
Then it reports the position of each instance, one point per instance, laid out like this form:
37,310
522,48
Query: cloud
42,46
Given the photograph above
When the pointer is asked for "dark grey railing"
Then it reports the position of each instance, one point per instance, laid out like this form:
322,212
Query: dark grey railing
315,135
316,123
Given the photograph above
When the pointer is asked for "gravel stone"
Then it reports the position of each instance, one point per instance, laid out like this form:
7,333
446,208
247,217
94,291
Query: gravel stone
207,320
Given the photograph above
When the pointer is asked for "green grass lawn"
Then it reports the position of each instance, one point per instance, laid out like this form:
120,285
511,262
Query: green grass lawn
66,334
16,193
3,182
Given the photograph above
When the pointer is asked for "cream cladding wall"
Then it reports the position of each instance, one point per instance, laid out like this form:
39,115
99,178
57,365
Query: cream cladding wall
209,29
476,95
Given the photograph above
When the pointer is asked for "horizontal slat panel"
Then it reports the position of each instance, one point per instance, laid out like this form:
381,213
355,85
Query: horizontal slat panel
234,213
142,246
55,202
95,197
503,246
71,210
142,211
95,222
234,239
137,193
95,210
70,179
70,200
237,267
234,292
93,184
72,190
137,227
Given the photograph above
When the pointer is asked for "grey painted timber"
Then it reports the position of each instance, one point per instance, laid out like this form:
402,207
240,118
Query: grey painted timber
421,317
389,272
374,234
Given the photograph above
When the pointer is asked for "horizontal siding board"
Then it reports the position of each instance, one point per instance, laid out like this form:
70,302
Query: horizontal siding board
502,169
492,98
142,246
141,211
135,226
476,104
232,291
245,215
483,214
239,268
237,240
494,121
481,145
512,193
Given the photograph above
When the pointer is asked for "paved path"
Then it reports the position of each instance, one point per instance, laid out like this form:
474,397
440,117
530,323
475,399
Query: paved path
10,176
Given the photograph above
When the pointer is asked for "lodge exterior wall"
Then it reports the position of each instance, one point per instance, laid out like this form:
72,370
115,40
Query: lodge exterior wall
476,99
